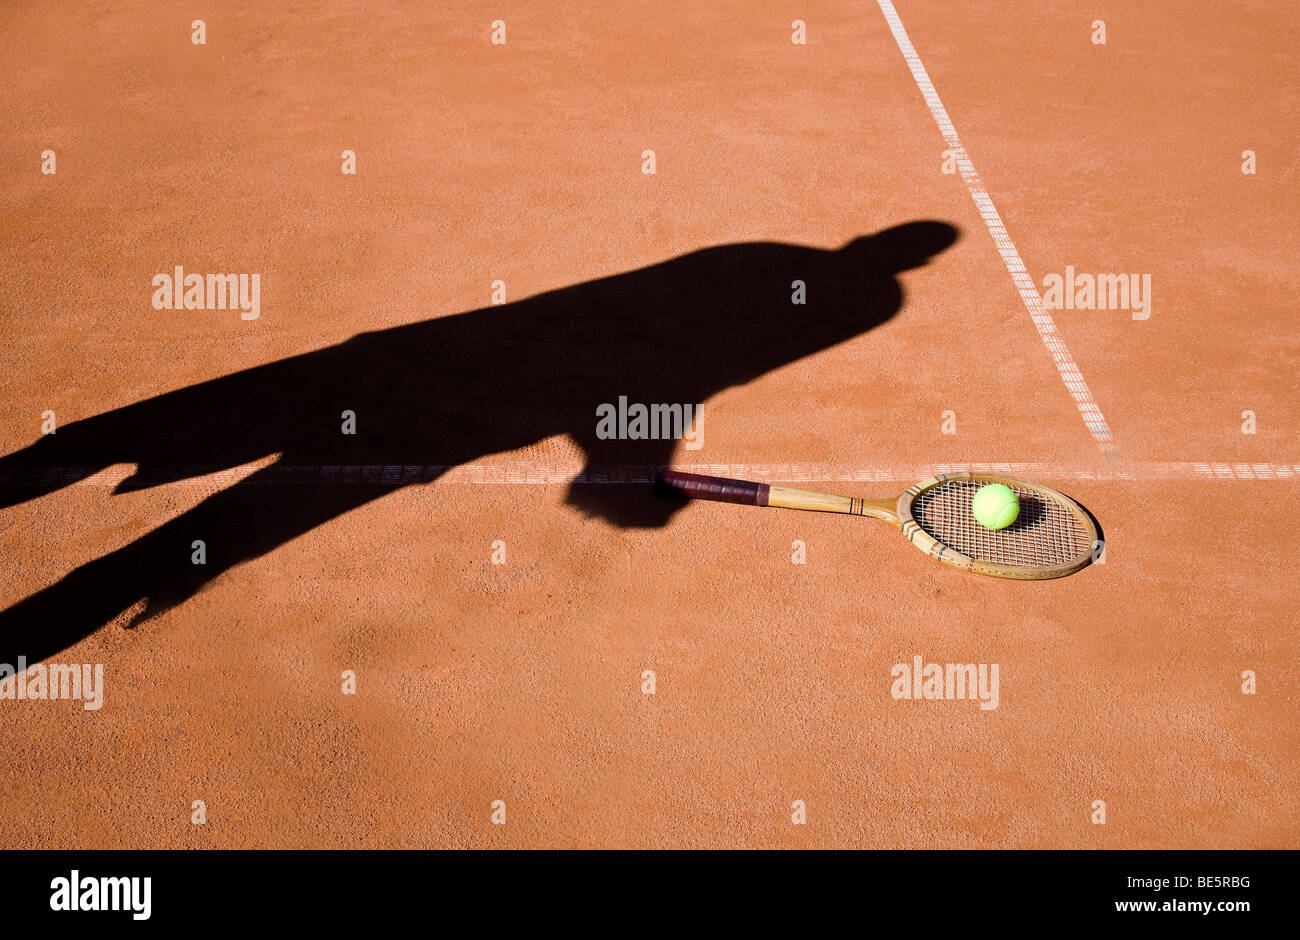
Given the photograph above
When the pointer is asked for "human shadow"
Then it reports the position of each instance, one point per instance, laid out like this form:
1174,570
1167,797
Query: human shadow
439,393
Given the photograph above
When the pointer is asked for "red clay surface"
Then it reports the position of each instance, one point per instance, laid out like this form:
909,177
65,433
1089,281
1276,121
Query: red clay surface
523,682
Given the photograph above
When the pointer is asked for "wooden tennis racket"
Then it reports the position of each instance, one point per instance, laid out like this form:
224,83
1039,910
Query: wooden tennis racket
1052,537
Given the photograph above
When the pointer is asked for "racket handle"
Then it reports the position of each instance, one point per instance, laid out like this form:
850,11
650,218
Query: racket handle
723,490
720,489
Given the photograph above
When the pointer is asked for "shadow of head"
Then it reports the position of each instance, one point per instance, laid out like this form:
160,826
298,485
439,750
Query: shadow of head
902,247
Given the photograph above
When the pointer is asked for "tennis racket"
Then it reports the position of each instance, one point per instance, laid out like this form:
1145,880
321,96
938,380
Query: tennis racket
1053,536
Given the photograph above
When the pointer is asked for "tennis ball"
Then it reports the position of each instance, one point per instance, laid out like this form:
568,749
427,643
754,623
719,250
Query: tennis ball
995,506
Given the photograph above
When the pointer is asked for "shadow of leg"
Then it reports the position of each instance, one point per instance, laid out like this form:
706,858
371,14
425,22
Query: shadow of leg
242,522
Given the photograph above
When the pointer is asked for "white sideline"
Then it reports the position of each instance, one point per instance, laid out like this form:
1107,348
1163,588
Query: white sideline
1065,363
763,473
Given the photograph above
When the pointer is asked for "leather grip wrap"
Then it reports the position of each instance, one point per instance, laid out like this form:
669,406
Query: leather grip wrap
719,489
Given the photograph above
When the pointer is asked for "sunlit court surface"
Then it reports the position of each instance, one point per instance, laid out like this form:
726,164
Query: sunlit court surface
343,344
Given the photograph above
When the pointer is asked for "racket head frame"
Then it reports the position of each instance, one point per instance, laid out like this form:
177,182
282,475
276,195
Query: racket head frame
927,543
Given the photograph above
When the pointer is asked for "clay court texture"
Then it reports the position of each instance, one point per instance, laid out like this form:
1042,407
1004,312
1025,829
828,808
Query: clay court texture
558,204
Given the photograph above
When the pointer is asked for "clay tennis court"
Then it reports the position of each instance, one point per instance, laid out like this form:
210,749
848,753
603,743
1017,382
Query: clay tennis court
501,258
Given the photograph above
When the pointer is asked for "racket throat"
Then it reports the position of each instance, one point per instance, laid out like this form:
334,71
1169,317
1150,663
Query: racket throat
886,509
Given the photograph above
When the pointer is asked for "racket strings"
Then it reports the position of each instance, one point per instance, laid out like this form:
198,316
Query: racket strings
1045,534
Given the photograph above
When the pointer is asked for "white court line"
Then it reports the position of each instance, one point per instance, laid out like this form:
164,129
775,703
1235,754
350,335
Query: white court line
1065,364
410,475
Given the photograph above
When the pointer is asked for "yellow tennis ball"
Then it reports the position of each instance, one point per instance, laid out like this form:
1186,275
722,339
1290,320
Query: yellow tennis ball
995,506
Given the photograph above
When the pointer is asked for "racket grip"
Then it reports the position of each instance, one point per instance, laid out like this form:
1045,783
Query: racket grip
719,489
